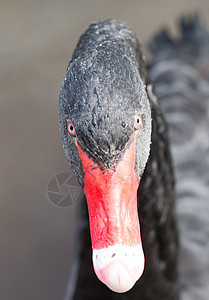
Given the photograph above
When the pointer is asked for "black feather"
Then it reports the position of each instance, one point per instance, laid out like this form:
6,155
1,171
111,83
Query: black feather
180,74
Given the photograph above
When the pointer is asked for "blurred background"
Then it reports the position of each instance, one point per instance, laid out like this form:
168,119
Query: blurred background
37,40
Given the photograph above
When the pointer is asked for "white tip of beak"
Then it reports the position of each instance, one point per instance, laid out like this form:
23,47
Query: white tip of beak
118,266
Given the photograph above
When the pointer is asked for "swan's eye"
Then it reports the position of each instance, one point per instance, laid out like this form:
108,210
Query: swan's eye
138,121
71,128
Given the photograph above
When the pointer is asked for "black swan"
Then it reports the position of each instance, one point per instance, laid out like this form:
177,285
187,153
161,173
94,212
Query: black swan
116,141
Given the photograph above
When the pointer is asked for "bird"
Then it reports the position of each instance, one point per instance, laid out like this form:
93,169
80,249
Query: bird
135,135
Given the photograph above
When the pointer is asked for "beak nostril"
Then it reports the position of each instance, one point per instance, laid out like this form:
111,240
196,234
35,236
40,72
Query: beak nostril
113,254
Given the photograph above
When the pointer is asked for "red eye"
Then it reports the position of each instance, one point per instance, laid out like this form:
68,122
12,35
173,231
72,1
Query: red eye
71,128
138,121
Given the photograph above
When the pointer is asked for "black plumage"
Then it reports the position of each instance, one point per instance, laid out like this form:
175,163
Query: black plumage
101,82
180,72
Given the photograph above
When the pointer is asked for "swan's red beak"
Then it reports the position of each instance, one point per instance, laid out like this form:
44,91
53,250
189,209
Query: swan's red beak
118,257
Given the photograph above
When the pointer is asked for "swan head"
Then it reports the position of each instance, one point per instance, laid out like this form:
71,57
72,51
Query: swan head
105,124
